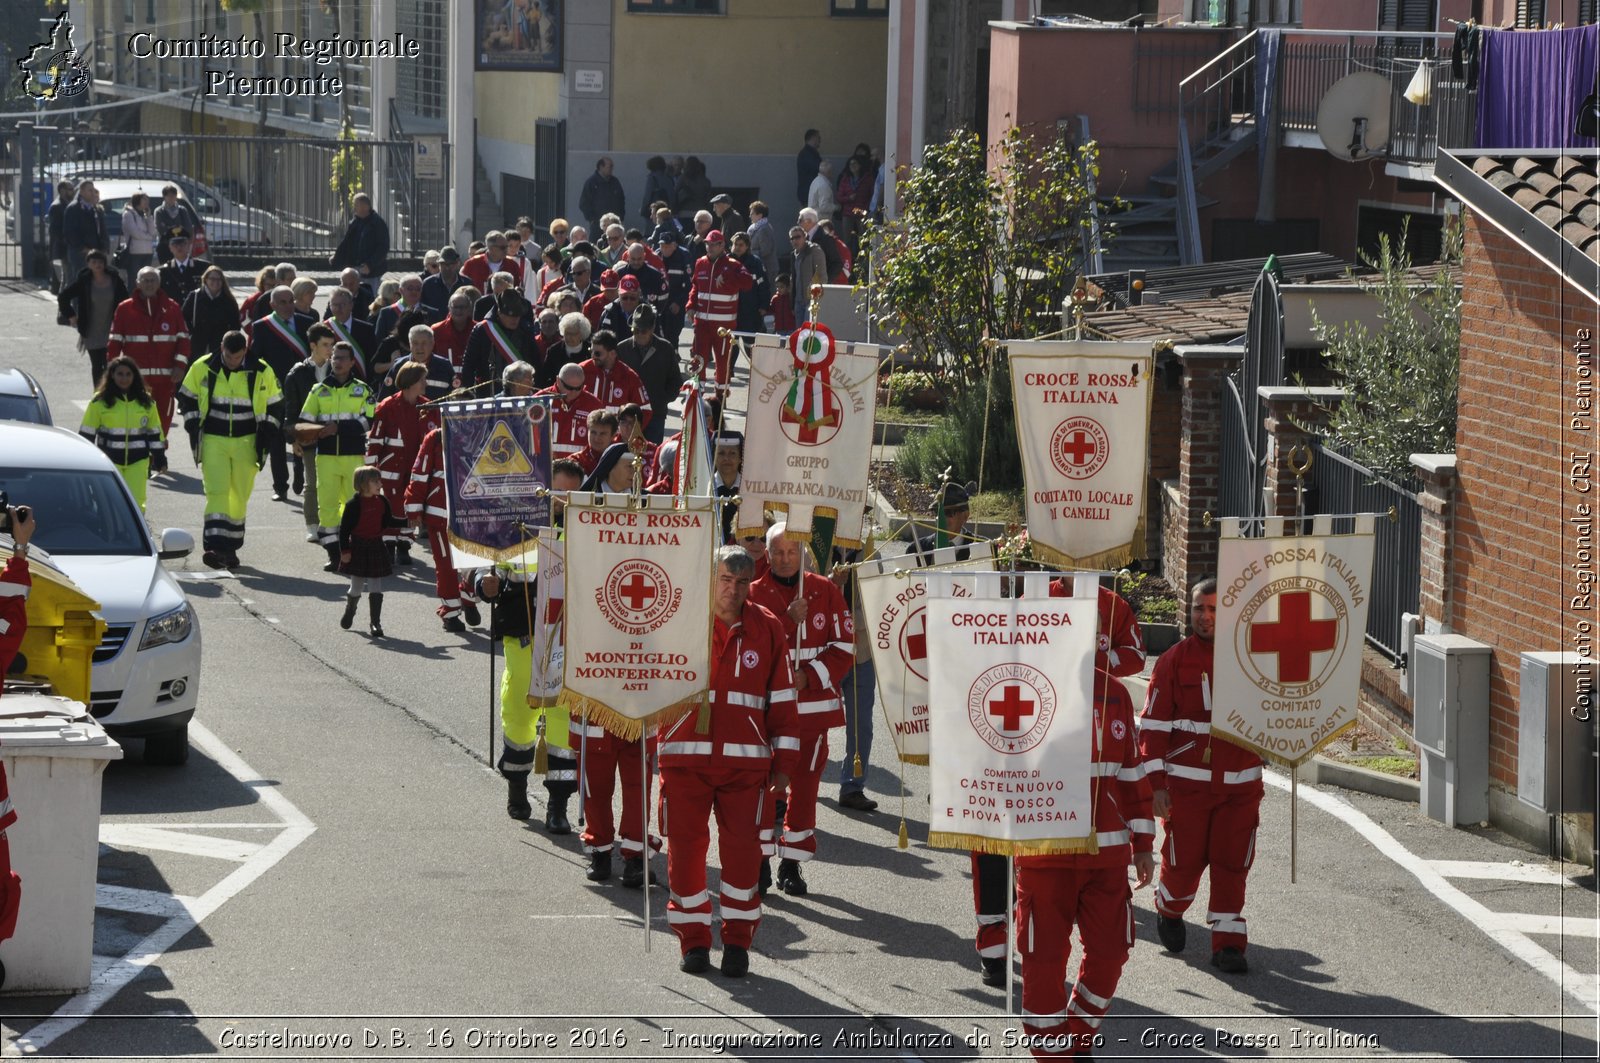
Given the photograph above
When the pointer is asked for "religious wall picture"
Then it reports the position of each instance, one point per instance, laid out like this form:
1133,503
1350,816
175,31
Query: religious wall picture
519,35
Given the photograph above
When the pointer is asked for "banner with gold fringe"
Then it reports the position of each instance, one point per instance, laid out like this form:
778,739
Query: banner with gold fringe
549,645
1083,423
894,608
497,470
638,578
1010,686
808,435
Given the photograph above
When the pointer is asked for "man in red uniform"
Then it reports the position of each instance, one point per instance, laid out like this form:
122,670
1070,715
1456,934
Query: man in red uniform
1119,651
451,334
602,433
569,413
149,328
1089,890
612,381
817,621
1207,792
714,290
493,259
750,743
393,439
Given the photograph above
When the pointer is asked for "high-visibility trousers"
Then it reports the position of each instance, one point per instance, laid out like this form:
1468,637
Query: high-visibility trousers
228,471
1210,830
336,483
519,725
1050,902
688,799
137,477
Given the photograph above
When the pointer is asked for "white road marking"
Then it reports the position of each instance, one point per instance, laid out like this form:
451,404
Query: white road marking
111,974
1565,925
176,840
139,902
1583,988
1510,871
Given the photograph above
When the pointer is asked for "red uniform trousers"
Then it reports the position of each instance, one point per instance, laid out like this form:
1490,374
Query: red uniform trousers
163,392
710,349
991,900
688,798
1050,900
445,580
1216,830
799,840
600,761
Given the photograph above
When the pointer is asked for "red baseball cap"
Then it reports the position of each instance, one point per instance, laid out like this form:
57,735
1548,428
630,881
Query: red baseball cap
629,283
715,237
608,278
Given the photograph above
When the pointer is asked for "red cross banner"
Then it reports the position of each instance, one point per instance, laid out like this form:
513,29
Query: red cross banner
894,605
637,615
1291,623
1010,685
1083,424
808,434
546,677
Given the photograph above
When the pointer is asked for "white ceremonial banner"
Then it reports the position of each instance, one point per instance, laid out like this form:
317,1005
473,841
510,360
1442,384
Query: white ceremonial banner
1011,688
894,606
546,678
1291,624
1083,424
638,616
808,434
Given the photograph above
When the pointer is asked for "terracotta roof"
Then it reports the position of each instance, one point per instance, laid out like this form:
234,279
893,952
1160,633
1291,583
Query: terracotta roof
1549,202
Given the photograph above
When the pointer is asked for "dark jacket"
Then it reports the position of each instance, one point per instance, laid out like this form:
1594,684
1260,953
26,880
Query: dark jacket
658,187
753,303
179,282
297,385
84,226
55,219
436,293
806,164
730,223
693,194
169,223
658,369
601,196
831,252
209,317
73,300
366,241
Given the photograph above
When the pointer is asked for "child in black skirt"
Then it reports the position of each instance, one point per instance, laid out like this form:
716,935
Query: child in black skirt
363,554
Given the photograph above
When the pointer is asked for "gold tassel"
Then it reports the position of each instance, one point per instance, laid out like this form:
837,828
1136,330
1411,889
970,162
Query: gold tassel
1205,758
905,837
702,721
858,772
541,758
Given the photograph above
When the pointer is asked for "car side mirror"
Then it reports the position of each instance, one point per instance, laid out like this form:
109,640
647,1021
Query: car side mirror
175,543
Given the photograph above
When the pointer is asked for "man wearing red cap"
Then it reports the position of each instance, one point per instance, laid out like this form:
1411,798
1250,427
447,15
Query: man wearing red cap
595,306
714,301
618,315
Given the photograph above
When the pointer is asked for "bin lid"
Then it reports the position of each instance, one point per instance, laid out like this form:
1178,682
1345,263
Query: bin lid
50,725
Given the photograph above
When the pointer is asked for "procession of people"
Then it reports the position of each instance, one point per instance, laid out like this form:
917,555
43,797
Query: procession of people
342,407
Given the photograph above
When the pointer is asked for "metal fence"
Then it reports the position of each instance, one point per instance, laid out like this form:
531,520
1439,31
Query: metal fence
1339,484
257,197
1160,62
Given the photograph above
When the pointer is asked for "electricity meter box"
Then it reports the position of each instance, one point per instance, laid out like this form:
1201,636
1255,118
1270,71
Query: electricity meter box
1450,712
1556,738
55,755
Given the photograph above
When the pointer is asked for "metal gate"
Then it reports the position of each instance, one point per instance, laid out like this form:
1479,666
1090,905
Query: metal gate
1244,433
258,198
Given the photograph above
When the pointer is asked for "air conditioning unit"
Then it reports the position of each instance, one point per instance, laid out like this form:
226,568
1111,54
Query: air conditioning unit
1450,713
1556,739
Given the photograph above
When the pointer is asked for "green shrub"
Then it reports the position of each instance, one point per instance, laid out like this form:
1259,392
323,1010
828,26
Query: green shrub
956,442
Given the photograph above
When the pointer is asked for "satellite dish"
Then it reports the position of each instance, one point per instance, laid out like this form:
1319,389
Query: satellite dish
1353,118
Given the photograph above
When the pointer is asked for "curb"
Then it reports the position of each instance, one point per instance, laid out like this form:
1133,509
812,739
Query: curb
1324,771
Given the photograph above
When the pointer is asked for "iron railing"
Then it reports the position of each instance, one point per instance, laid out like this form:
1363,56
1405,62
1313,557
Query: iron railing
1161,60
1339,484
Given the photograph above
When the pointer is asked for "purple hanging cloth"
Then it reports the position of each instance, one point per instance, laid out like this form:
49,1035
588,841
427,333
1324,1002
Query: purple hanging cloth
1532,83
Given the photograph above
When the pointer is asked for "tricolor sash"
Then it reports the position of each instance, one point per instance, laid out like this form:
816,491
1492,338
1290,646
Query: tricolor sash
346,336
502,341
290,336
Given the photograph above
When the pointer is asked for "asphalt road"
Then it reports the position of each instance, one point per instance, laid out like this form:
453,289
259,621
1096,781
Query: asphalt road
332,875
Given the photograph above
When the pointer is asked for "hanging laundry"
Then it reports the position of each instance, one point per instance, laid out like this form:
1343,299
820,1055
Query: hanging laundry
1531,85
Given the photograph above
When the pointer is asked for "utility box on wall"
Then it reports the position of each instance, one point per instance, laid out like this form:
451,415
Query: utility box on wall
1556,733
1451,713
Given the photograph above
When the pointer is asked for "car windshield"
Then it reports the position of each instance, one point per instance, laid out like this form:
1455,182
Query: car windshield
20,408
79,511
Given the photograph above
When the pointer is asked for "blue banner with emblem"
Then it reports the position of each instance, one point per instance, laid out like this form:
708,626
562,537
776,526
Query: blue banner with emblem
497,470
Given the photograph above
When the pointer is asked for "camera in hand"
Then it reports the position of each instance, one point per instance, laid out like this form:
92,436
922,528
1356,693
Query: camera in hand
5,513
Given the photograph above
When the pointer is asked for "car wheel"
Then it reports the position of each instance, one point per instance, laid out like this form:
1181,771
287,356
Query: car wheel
169,748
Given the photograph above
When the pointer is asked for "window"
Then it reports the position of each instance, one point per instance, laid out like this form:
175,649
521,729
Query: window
675,7
1407,15
858,8
1588,12
1530,14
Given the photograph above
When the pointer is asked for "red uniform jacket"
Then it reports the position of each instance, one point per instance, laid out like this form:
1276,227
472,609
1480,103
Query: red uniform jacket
150,331
1119,645
714,289
1123,822
616,387
425,495
827,648
393,440
1175,730
478,270
569,422
595,308
452,342
753,722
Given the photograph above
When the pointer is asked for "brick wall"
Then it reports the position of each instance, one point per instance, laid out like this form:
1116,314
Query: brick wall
1505,584
1199,465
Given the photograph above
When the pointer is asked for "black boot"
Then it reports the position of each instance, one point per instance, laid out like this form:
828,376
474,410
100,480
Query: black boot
517,806
789,880
402,553
375,614
599,866
764,886
634,870
555,816
333,557
349,617
470,611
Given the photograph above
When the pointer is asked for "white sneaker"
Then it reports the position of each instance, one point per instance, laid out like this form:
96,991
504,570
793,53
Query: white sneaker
311,535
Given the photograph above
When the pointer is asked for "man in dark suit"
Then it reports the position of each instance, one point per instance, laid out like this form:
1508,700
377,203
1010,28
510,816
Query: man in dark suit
366,240
437,289
181,274
279,340
361,293
352,330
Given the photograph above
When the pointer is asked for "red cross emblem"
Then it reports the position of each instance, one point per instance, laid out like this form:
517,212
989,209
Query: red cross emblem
637,592
914,643
1294,637
1079,448
1011,706
1011,709
638,597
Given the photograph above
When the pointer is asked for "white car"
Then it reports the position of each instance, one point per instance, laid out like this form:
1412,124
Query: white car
146,673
